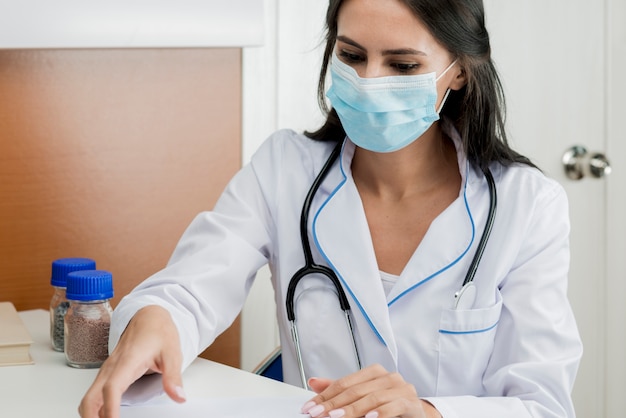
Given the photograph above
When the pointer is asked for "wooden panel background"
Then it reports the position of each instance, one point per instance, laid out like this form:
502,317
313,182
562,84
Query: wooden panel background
109,154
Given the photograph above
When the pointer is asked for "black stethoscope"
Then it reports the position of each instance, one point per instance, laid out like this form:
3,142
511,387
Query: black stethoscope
463,299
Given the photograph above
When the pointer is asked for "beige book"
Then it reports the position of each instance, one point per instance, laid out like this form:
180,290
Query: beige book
15,340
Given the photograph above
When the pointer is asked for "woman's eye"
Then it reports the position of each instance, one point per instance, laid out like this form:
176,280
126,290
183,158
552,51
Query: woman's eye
405,68
350,57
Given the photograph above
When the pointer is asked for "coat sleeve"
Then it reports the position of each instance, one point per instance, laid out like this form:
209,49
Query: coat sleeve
210,272
537,346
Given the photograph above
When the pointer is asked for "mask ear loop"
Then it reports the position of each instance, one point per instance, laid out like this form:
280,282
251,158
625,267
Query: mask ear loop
443,101
445,96
446,70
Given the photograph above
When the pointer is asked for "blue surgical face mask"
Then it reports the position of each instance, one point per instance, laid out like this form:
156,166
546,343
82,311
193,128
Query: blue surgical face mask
383,114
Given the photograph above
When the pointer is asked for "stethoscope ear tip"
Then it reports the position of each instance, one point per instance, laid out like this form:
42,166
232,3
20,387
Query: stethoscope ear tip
464,299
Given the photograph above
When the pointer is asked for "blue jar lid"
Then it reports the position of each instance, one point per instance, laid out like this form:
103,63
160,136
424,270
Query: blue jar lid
86,285
63,266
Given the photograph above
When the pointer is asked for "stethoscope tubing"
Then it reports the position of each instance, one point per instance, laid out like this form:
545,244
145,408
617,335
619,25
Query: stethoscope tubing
310,267
493,204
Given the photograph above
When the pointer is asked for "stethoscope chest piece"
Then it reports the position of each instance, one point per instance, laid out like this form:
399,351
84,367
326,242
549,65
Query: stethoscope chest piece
464,299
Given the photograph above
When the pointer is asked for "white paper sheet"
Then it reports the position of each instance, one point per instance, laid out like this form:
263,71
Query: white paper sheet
243,407
144,390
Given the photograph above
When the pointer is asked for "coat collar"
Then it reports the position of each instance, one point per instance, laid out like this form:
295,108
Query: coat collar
341,234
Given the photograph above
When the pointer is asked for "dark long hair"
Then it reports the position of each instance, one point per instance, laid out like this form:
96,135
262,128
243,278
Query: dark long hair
478,109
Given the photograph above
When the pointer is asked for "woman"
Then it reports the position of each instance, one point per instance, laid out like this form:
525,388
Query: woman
398,218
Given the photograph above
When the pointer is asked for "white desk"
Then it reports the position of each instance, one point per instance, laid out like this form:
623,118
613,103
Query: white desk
50,388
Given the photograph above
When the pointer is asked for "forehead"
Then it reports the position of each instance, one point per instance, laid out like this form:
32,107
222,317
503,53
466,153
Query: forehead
384,24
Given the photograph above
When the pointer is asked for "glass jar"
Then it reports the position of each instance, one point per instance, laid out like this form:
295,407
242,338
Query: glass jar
88,318
59,302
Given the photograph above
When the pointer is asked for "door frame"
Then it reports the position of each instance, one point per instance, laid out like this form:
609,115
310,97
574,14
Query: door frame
615,310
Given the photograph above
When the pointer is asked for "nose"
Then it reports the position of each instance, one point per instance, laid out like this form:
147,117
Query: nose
371,70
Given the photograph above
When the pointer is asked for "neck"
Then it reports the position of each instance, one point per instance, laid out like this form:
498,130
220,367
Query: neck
418,168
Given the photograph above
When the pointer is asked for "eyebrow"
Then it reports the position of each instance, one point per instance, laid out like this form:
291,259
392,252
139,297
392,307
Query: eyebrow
399,51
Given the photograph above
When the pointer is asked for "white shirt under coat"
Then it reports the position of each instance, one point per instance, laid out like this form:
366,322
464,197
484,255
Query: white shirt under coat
514,354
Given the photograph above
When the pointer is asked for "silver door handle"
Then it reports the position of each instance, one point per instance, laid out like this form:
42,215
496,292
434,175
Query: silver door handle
579,163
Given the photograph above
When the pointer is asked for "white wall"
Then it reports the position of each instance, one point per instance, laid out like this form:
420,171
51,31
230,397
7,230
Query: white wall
279,91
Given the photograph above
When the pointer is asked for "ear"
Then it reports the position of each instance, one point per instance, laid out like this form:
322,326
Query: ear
460,78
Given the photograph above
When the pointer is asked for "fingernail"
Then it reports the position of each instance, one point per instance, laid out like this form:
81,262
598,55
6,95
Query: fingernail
336,413
371,414
307,406
316,410
180,392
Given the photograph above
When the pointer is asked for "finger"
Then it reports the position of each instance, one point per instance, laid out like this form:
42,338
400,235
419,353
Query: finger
400,400
172,377
344,391
120,377
112,398
351,381
340,385
150,342
318,384
127,363
92,402
399,407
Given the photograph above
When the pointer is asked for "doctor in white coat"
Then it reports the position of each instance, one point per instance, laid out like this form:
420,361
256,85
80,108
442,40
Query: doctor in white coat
398,217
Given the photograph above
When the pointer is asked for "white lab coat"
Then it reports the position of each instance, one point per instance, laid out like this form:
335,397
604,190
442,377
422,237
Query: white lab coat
514,354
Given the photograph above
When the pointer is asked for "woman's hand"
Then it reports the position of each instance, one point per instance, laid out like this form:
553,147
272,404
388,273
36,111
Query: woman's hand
372,392
149,344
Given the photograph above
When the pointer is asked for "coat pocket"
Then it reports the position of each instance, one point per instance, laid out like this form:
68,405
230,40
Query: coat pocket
466,341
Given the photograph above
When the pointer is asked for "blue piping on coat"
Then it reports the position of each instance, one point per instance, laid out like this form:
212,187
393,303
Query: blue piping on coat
471,218
345,284
475,331
330,264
